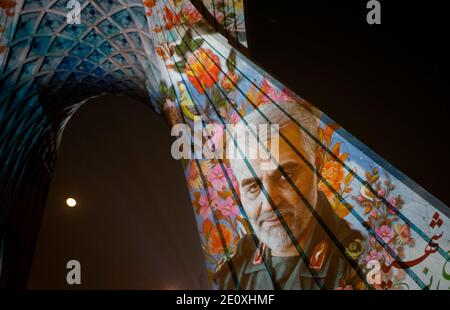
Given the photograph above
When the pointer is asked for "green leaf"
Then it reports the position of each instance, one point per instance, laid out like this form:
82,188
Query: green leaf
217,96
187,44
163,87
218,99
180,65
187,34
195,44
231,61
187,37
172,94
181,49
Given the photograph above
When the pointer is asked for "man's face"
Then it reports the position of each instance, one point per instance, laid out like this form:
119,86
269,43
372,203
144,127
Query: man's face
261,214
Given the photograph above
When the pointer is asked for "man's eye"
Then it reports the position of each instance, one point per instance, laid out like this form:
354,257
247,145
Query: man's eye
285,177
253,188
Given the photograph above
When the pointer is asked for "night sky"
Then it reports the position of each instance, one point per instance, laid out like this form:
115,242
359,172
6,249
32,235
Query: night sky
134,227
388,84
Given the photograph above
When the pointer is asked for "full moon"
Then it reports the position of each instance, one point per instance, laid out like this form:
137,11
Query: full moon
71,202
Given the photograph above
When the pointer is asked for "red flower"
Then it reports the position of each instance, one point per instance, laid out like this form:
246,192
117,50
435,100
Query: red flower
149,4
229,83
8,6
171,18
215,242
203,69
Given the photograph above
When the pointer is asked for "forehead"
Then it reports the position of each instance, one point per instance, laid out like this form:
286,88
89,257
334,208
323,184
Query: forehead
286,153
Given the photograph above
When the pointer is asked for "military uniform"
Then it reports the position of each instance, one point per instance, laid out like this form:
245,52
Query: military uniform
256,268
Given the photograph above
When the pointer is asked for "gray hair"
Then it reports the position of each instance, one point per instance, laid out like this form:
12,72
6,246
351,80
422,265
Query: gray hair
292,110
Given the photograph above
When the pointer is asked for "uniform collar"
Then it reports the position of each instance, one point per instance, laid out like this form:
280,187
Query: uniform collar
318,239
261,252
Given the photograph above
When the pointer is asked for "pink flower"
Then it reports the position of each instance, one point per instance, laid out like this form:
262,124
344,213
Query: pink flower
235,118
205,203
385,232
205,210
191,14
217,177
391,206
218,16
360,198
373,255
392,201
273,93
381,192
227,206
373,214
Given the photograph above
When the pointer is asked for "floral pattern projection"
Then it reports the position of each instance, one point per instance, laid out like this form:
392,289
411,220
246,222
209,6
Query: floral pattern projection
202,75
229,14
193,71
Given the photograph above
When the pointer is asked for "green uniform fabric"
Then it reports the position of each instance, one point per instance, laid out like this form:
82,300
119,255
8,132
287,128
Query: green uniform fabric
291,273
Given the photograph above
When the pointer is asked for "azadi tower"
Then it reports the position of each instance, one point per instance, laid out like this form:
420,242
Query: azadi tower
189,61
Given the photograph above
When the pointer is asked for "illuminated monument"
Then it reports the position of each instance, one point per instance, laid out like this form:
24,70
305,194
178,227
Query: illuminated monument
186,59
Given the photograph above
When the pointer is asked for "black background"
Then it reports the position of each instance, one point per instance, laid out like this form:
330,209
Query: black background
385,84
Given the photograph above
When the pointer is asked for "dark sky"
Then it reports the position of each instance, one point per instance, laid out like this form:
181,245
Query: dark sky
133,227
386,84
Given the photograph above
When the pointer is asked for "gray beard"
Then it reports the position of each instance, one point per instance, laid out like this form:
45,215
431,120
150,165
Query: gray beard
276,238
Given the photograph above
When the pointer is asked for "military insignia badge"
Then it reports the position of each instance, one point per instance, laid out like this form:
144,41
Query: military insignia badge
355,249
318,255
259,255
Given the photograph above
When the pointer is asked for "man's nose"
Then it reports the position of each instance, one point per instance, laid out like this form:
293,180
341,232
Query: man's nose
272,195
